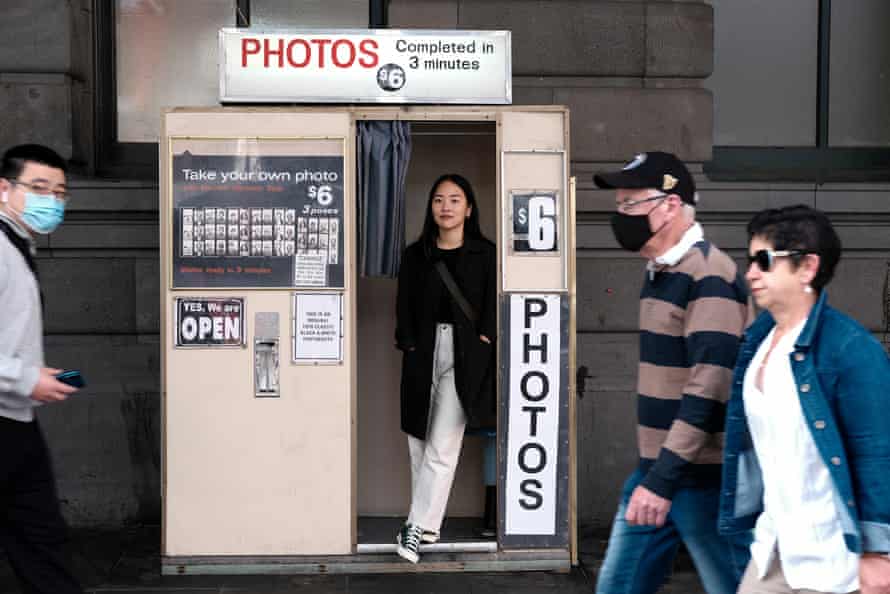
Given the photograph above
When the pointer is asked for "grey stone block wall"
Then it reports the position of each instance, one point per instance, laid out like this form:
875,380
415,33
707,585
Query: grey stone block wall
36,74
99,275
581,37
36,36
617,123
36,107
631,72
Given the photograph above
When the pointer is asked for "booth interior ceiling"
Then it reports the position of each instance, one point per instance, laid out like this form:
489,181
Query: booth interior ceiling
384,151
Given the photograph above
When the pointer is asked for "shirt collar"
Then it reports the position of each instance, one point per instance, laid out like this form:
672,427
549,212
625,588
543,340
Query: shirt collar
805,339
787,342
671,257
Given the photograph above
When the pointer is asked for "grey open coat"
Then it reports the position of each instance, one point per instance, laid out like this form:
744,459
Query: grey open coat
420,288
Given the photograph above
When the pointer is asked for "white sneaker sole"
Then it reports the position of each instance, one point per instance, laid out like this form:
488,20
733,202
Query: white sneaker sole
407,555
429,538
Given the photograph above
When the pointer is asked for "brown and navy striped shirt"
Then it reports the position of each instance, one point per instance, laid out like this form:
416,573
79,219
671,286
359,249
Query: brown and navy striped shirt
692,316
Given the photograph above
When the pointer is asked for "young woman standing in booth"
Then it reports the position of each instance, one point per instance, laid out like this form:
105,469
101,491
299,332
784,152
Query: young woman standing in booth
446,323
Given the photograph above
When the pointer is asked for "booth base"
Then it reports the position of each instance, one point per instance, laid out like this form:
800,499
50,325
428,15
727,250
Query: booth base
374,530
531,560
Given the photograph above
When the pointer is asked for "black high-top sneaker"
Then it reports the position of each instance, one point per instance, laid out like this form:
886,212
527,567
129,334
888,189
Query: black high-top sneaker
408,541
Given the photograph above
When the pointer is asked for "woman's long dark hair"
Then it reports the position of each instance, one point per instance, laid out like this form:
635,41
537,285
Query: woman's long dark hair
471,226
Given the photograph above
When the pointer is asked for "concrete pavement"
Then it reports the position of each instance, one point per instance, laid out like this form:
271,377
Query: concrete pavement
127,561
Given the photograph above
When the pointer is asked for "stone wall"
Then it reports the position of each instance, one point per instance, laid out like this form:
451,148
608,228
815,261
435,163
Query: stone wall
632,74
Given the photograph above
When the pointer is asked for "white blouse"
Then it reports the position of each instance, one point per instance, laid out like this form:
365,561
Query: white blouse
800,519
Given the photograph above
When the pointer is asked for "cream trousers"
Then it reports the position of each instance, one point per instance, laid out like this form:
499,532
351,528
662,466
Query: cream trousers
434,460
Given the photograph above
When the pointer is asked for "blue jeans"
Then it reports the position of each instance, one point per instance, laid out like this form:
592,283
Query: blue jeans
639,558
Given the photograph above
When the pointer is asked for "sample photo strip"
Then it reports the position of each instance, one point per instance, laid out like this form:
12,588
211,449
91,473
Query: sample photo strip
257,233
188,232
333,249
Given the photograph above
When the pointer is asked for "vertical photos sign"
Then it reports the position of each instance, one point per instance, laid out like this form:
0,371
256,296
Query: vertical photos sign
535,402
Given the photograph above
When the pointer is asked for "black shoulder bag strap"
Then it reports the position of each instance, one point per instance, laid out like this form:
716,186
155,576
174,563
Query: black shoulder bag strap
21,244
455,291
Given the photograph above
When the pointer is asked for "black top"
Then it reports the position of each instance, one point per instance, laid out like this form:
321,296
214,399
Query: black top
445,314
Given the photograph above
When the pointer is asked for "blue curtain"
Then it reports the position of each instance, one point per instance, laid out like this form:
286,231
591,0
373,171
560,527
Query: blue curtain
384,150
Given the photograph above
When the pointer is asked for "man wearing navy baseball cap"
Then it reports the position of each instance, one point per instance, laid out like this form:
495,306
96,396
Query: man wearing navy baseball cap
693,310
651,177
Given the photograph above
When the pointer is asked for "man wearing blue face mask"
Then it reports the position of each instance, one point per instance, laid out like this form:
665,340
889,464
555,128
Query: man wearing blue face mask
32,531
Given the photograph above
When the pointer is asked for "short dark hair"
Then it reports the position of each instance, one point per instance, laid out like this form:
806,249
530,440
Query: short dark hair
15,158
471,226
802,228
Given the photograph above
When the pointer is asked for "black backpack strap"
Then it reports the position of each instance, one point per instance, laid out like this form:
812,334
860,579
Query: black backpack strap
21,244
455,291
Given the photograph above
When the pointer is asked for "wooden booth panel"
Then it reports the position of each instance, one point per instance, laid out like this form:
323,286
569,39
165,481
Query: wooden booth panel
534,159
246,475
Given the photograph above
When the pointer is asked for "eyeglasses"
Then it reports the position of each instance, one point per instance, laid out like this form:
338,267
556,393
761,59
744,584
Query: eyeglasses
626,205
766,258
42,188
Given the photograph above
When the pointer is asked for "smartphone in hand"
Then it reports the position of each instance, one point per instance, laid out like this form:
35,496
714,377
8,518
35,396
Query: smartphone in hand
72,377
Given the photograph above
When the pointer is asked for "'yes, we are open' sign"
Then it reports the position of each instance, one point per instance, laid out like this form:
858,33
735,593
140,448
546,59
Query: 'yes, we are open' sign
209,322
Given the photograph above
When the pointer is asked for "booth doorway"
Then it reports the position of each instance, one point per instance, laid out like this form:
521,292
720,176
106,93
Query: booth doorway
383,469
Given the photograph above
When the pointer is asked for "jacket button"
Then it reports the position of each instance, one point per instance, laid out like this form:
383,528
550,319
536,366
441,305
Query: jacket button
805,388
819,424
836,461
851,503
798,356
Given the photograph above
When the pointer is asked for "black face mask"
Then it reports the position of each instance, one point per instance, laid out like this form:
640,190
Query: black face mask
631,231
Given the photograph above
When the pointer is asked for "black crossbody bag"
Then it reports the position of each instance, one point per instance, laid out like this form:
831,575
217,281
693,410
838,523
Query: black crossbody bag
455,291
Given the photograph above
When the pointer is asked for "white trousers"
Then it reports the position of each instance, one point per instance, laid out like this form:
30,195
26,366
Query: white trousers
434,460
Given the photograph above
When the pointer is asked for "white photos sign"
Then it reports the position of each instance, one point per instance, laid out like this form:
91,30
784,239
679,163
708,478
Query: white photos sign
533,415
364,66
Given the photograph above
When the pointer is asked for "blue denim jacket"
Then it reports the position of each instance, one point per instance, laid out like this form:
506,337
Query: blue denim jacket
843,383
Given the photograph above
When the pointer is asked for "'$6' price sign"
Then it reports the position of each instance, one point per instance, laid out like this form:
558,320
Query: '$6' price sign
534,222
323,194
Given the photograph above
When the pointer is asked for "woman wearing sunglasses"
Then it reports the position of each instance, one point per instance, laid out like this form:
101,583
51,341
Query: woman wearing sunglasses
807,456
